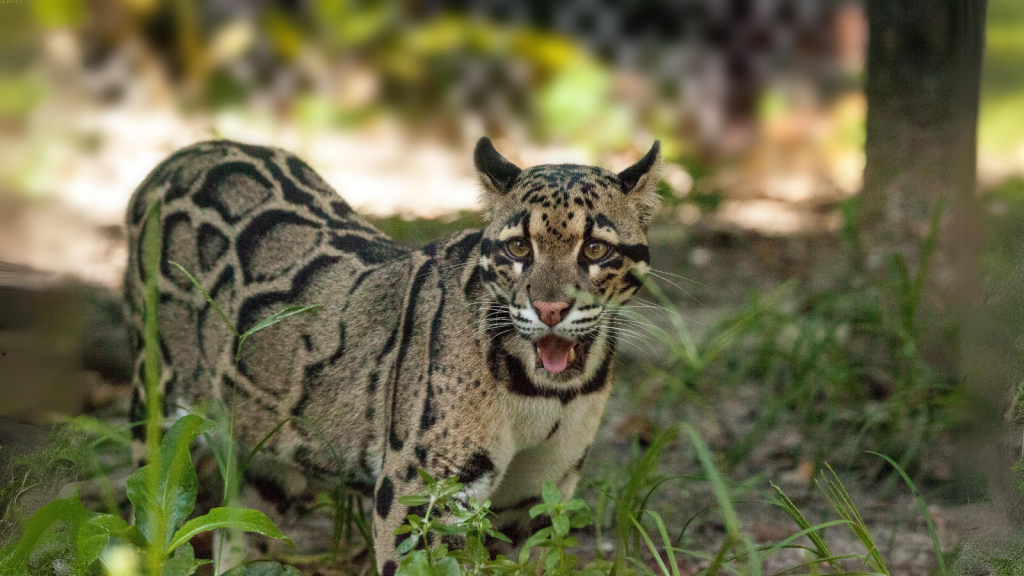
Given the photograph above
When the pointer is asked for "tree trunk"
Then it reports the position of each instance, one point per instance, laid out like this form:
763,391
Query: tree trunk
912,146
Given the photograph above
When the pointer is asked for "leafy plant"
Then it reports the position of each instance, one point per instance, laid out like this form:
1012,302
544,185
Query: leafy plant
163,492
65,530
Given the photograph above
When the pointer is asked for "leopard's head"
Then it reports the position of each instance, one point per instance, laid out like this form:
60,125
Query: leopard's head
563,248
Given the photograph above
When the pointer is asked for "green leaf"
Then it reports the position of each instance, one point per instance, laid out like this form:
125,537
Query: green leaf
538,509
91,542
407,545
537,537
427,478
447,566
243,519
574,504
183,563
550,494
414,563
68,511
161,508
95,535
560,523
552,558
116,527
413,500
263,568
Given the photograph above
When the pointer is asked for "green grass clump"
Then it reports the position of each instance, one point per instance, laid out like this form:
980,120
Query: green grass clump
852,366
550,551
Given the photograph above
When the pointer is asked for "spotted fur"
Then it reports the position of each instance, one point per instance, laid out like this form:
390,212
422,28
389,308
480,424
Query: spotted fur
416,358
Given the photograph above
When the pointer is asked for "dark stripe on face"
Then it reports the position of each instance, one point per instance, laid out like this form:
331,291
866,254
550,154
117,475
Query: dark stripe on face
474,283
604,222
636,252
613,262
516,219
487,246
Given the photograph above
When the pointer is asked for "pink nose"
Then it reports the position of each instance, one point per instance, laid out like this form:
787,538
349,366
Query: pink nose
550,312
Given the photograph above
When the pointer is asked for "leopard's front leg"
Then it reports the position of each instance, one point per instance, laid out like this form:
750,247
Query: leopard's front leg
478,468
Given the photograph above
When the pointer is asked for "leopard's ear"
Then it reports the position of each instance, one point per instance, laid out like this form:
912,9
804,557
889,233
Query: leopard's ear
497,175
640,182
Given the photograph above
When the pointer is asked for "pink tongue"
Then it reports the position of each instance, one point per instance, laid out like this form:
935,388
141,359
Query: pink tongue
554,353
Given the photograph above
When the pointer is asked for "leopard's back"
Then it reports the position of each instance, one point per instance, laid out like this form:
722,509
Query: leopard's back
260,231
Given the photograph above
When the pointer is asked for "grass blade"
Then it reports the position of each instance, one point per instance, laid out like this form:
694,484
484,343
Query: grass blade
245,463
805,532
793,512
213,303
668,543
732,523
924,510
654,550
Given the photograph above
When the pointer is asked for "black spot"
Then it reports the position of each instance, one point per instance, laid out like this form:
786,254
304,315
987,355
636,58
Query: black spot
410,472
421,454
389,568
137,411
479,464
553,429
419,510
604,222
385,496
429,416
342,209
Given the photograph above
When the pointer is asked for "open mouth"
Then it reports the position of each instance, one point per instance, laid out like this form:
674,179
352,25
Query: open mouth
556,354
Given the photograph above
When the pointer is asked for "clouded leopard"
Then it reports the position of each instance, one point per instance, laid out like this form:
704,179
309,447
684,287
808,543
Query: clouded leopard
486,355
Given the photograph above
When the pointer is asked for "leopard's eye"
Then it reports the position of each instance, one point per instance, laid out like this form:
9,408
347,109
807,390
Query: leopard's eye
595,249
518,247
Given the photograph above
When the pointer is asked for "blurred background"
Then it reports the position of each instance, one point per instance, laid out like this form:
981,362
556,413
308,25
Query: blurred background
837,251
